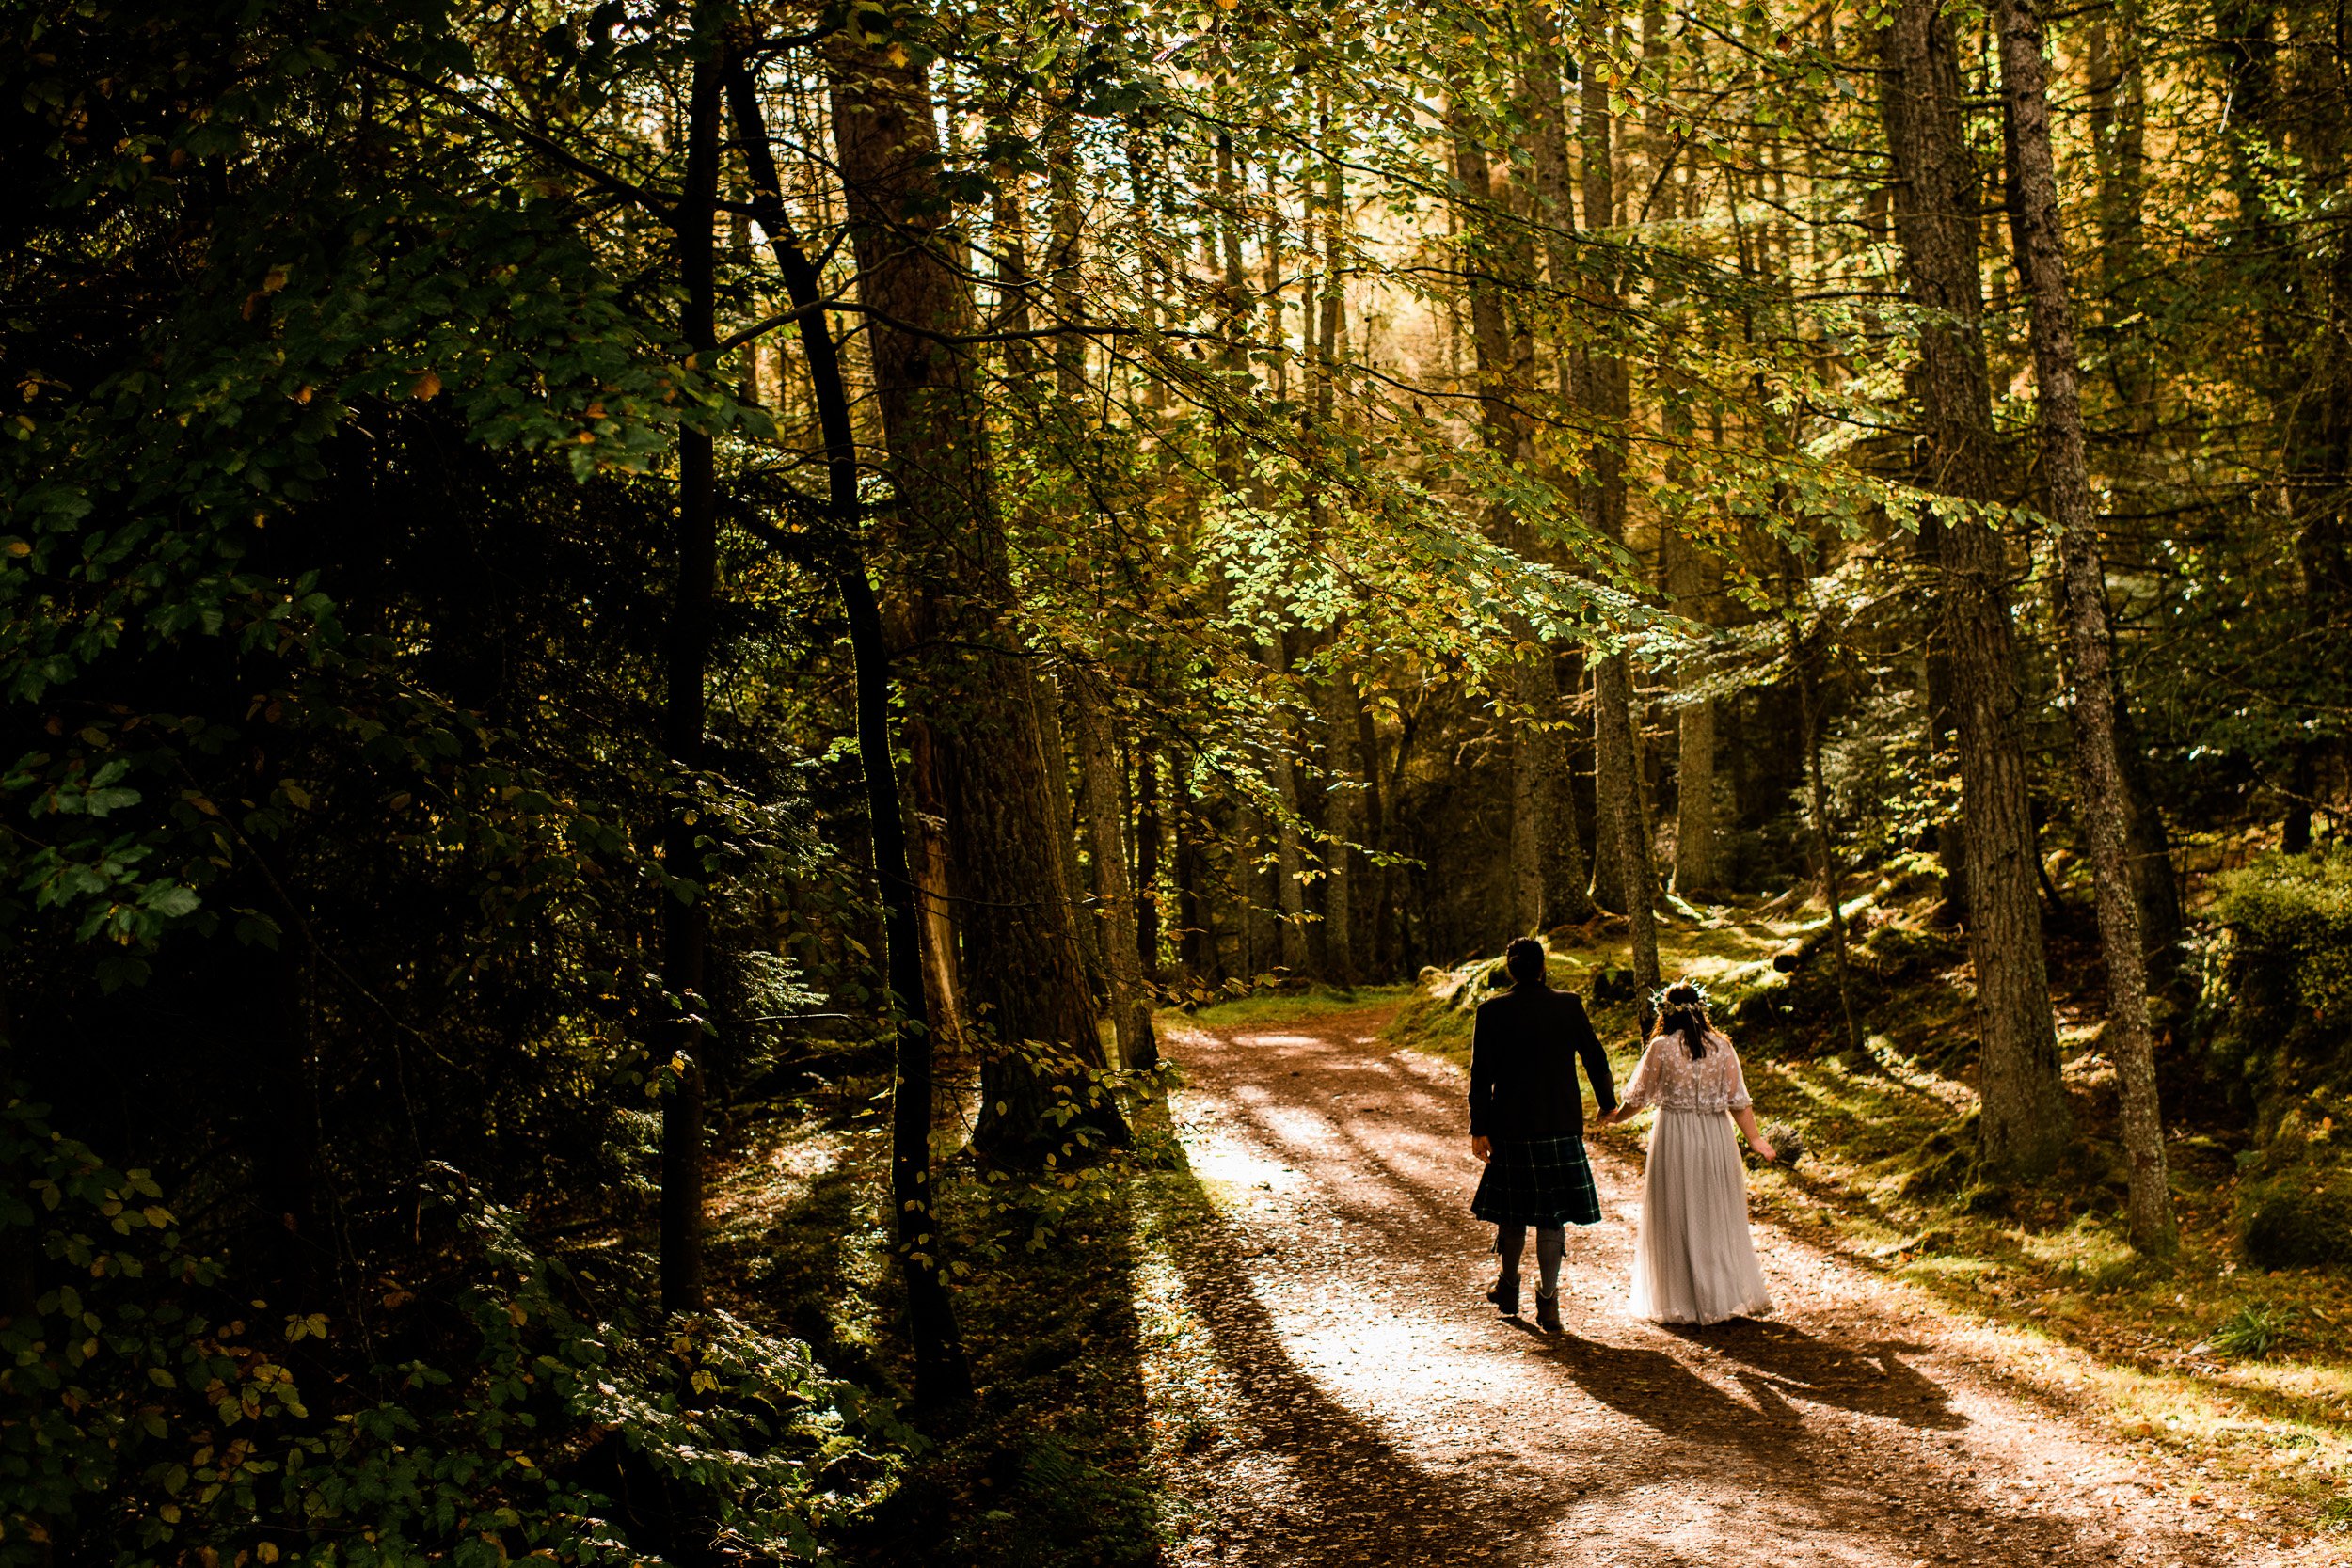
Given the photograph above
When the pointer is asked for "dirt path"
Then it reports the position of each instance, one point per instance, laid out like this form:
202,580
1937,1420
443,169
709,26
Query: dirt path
1342,1394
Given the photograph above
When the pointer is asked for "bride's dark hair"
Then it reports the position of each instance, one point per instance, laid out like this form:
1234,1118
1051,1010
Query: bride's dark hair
1685,1014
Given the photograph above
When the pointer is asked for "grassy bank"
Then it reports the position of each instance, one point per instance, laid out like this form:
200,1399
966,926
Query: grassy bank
2249,1373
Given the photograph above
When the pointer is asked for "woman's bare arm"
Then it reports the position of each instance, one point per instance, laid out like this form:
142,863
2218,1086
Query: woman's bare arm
1745,1117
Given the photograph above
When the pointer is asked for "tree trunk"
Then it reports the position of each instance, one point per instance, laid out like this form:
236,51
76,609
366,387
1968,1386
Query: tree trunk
1623,874
1503,346
1041,1090
686,918
1131,1000
2025,1119
942,1372
1698,848
1342,827
1054,764
1198,952
2118,95
1290,864
1567,897
1371,901
2066,484
1824,847
1148,835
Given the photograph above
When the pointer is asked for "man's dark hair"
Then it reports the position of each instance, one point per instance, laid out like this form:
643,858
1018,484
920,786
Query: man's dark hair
1525,959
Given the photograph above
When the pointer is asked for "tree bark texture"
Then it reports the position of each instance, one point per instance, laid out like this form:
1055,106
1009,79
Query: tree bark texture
2025,1119
1041,1090
1131,1000
2066,486
1067,223
1147,836
943,1375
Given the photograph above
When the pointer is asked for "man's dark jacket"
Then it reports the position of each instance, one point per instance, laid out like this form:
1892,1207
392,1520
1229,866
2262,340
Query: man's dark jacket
1523,1056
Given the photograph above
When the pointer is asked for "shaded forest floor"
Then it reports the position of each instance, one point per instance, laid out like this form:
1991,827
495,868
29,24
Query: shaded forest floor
1261,1339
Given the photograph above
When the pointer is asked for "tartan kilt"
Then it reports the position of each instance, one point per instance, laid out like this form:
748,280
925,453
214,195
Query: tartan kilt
1537,1182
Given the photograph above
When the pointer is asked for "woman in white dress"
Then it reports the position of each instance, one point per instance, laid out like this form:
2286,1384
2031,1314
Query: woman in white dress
1694,1260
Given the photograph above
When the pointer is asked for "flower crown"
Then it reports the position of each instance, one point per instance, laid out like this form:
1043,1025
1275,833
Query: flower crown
1657,1002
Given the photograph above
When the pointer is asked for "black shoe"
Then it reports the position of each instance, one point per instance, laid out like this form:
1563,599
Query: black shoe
1548,1312
1506,1295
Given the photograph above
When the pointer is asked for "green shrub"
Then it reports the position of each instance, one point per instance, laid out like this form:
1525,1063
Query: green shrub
2279,985
154,1418
2299,1218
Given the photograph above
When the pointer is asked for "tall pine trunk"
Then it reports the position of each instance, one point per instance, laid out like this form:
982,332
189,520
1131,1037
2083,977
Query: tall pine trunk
968,684
2025,1119
1567,876
942,1372
1624,872
686,918
1698,834
1499,261
2066,487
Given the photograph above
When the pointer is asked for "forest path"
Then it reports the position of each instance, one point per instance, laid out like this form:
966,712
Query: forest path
1337,1391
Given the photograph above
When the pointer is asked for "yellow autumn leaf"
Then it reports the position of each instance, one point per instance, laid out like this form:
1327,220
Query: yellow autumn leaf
425,387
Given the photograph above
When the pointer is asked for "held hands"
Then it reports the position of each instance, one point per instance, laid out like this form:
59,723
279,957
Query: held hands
1484,1148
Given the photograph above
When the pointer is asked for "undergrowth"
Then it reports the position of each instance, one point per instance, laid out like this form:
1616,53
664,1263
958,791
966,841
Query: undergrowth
1048,1466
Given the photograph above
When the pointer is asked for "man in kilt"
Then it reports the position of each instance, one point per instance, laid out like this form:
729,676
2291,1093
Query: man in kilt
1527,1124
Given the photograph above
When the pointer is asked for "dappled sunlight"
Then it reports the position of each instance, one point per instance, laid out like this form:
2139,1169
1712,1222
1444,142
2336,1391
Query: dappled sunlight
1330,1375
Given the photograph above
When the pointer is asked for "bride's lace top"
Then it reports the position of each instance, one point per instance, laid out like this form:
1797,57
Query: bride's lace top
1669,1079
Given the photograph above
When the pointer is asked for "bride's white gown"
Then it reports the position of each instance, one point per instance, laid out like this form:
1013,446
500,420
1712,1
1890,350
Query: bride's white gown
1694,1260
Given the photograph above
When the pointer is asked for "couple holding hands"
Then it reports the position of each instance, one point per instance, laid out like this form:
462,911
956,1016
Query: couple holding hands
1694,1260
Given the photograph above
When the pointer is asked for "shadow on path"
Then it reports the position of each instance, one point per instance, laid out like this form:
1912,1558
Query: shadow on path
1324,1485
1754,1441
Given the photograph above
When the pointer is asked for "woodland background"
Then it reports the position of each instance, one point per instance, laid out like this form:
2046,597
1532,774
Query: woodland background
585,582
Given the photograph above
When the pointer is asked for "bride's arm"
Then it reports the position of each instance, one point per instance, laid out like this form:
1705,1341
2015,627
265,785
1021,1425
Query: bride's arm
1745,1117
1640,1090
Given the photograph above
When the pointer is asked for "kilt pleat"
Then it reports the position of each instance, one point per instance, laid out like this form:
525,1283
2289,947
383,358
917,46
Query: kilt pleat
1537,1182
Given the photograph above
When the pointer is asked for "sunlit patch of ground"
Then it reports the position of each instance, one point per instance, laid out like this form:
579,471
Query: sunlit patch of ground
1328,1387
2047,1274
